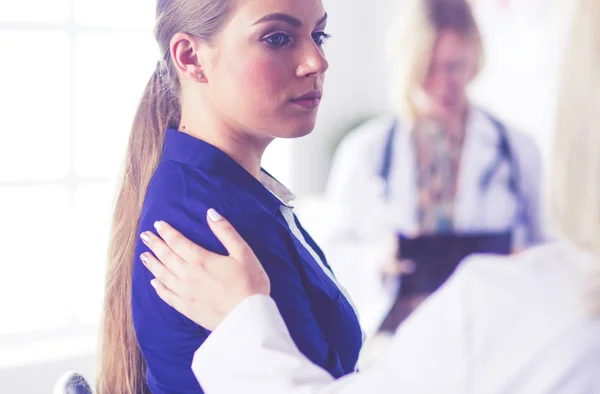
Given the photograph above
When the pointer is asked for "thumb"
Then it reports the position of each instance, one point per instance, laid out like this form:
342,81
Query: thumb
406,267
229,237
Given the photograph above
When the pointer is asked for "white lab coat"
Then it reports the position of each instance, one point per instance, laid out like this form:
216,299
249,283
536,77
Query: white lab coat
499,325
362,224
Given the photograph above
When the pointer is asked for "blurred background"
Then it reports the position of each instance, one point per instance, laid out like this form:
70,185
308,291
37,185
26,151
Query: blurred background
71,74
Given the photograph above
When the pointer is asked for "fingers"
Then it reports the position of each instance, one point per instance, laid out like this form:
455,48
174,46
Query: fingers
388,269
160,271
168,296
399,268
163,252
405,267
229,237
180,244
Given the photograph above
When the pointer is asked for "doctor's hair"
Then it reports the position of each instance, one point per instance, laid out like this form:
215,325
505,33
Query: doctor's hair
121,365
411,41
575,176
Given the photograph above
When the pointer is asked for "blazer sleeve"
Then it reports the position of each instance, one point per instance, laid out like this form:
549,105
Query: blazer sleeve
168,340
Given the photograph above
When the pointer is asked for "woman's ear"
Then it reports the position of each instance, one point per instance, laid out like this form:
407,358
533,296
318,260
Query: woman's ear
185,52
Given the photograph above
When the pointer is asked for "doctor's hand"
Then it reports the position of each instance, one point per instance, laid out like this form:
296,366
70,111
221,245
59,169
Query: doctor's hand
391,266
398,268
203,286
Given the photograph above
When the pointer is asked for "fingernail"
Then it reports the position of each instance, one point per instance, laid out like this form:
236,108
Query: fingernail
214,215
153,283
145,238
144,258
157,226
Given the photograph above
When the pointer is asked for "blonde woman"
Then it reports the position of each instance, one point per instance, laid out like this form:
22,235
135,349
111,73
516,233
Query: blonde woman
232,76
439,166
527,324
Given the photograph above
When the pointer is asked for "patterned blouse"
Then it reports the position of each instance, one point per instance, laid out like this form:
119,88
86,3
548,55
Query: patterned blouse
438,156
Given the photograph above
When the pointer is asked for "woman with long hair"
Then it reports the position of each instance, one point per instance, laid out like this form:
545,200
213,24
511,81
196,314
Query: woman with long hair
232,76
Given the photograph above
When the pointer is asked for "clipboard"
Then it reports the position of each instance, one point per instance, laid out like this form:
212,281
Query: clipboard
436,256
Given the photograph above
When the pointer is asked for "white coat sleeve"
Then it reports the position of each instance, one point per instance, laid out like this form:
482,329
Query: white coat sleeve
252,352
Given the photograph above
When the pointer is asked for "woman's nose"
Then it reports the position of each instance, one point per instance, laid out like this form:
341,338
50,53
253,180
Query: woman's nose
314,61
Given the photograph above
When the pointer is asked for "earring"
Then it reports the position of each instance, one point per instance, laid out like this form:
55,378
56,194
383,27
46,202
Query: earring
200,75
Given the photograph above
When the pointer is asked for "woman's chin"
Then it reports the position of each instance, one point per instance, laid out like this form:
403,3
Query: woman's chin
298,130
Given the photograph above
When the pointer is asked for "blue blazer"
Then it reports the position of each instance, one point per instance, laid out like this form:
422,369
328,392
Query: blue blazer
192,177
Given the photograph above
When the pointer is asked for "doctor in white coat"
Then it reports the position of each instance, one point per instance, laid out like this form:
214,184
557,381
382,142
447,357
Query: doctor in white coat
526,324
441,165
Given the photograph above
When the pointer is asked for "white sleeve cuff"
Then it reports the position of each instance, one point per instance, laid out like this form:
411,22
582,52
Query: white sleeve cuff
253,352
254,310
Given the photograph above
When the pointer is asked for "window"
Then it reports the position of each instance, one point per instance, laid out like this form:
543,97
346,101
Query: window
71,76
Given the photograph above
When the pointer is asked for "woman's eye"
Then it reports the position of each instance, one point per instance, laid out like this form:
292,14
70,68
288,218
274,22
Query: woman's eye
278,40
321,38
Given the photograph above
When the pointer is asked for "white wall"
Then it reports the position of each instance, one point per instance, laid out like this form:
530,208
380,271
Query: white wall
519,79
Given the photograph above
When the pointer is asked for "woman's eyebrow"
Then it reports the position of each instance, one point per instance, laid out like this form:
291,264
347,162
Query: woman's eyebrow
277,16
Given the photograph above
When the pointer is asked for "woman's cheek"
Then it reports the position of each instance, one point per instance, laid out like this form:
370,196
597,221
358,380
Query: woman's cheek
266,77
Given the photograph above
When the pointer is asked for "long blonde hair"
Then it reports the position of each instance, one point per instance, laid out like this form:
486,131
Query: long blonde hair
575,175
411,42
121,366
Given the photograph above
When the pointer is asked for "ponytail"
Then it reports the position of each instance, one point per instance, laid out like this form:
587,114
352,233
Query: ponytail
121,363
122,366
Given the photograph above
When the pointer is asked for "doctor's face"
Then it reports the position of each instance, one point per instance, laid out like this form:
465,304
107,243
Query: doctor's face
268,67
453,65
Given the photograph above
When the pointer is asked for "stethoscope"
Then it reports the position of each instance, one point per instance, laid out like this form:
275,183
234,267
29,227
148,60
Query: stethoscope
505,154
